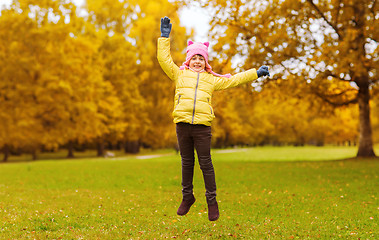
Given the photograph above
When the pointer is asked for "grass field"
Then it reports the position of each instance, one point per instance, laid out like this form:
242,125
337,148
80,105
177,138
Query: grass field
263,193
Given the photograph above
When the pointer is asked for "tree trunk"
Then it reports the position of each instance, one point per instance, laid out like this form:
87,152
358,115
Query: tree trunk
70,148
131,146
100,147
365,146
6,153
34,154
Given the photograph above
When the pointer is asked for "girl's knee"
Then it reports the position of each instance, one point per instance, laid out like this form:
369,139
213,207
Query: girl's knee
206,164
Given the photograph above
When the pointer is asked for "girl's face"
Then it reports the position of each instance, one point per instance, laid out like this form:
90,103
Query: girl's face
197,63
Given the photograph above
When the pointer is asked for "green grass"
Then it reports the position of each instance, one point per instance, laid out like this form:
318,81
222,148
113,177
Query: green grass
305,195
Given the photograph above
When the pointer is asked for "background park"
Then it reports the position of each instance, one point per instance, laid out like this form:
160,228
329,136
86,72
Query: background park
294,153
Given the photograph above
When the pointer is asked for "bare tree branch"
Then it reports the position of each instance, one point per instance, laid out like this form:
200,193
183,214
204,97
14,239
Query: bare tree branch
325,19
337,103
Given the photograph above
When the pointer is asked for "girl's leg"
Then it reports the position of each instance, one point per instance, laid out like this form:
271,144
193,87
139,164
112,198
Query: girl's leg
186,148
202,139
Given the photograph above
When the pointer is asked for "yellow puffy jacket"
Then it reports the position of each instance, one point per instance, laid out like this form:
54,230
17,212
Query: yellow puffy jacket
193,94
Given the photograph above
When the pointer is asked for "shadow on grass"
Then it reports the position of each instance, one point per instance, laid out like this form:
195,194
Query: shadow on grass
88,155
59,156
264,154
360,159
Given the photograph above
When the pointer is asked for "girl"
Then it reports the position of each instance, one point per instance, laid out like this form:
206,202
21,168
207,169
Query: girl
195,82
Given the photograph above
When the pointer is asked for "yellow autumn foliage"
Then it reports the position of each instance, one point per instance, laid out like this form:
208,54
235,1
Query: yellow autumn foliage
67,78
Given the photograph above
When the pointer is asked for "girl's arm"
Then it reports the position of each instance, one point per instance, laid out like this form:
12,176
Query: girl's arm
165,59
235,80
164,56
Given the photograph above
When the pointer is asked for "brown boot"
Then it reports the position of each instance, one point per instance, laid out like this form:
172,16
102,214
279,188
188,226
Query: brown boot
213,213
185,206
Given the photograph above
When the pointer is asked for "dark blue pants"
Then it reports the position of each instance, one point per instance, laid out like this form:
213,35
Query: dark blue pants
190,138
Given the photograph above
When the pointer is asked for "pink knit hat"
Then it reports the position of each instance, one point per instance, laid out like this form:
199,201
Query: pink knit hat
194,48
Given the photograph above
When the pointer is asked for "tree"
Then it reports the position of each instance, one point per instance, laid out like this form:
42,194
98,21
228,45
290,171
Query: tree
375,114
155,87
51,85
129,50
294,116
235,120
332,45
281,112
108,23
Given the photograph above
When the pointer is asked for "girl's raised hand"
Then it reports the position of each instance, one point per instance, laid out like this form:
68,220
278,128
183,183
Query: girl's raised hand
263,71
165,27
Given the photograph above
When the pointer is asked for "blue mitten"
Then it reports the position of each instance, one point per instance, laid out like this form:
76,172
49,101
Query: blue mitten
263,71
165,27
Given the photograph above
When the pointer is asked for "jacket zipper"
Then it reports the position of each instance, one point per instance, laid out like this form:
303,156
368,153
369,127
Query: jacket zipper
210,106
194,101
177,104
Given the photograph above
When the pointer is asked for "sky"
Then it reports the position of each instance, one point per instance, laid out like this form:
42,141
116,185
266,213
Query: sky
197,18
190,17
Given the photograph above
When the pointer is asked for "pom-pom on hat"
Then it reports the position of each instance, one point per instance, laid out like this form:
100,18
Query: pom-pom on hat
194,48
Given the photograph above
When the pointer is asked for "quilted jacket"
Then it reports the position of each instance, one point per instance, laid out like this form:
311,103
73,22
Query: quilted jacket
193,92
